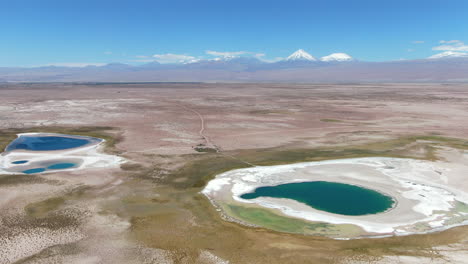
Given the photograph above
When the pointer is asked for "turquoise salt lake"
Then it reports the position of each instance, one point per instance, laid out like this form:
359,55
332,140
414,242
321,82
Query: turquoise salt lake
332,197
61,166
35,170
44,143
48,143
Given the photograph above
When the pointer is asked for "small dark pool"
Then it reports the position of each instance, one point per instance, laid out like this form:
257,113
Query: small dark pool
332,197
20,162
48,143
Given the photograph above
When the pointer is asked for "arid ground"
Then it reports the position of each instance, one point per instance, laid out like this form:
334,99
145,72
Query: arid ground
178,136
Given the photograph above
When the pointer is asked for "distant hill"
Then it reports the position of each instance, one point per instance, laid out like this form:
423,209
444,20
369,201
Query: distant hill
299,67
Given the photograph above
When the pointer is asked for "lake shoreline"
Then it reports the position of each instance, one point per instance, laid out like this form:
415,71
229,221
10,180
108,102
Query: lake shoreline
385,175
88,155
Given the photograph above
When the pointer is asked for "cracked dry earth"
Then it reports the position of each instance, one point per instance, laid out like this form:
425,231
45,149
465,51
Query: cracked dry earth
147,213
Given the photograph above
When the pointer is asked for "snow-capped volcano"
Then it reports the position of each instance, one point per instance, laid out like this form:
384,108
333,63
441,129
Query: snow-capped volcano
449,54
337,57
301,55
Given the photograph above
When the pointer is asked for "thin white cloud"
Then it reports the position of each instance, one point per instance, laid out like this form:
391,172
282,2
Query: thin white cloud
449,41
108,52
173,58
418,42
260,55
273,60
75,64
449,54
143,60
183,58
227,54
451,45
233,54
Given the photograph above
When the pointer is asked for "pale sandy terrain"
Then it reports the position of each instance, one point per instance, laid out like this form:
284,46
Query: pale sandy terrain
239,116
142,216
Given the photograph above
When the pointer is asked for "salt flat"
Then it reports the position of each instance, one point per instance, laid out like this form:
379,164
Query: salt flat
150,209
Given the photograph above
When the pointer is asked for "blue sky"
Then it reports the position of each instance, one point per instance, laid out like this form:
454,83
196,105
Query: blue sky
100,31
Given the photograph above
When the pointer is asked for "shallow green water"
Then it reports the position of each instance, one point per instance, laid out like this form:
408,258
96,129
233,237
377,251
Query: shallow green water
332,197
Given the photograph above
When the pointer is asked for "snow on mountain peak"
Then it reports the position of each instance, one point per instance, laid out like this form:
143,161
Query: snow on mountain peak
449,54
300,55
337,57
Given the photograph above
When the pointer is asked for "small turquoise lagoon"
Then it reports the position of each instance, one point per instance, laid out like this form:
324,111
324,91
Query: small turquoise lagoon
56,166
332,197
43,143
35,170
49,143
61,166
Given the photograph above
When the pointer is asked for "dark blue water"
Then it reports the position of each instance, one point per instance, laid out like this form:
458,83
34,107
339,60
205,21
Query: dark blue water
46,143
61,166
332,197
35,170
20,162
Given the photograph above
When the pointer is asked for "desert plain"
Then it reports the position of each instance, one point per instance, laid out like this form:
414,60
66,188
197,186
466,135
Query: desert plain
176,137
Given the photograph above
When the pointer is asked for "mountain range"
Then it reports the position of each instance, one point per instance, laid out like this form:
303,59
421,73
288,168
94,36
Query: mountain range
298,67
